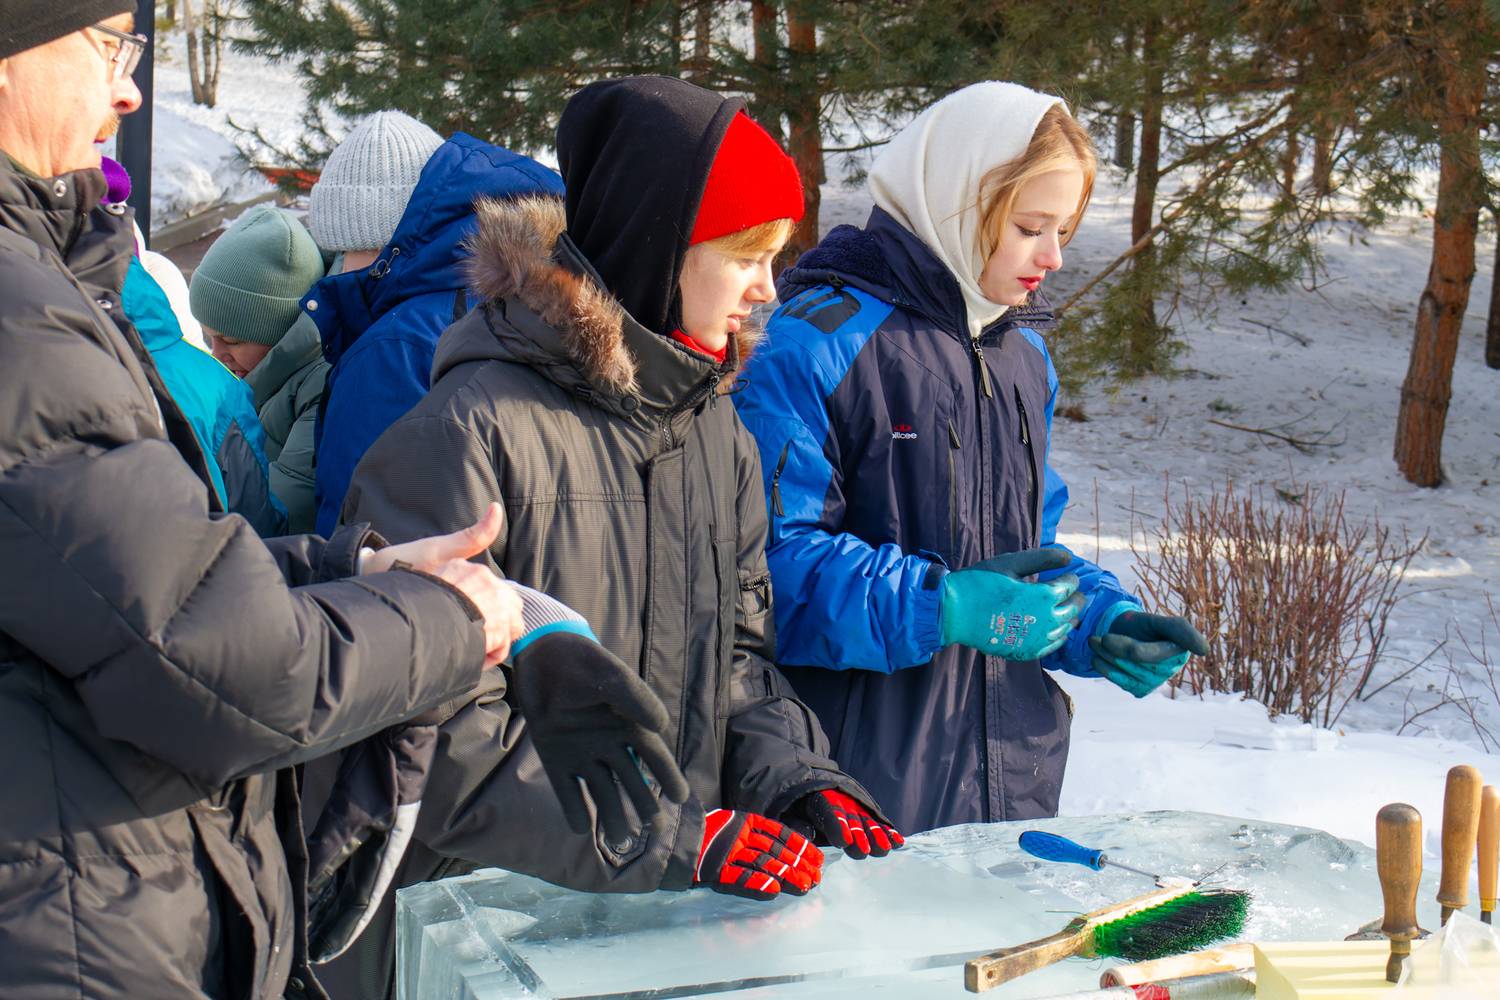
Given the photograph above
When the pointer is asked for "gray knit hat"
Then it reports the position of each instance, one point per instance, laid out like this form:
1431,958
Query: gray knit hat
367,181
251,282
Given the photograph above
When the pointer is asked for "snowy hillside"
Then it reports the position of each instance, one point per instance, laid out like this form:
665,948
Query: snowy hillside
1332,360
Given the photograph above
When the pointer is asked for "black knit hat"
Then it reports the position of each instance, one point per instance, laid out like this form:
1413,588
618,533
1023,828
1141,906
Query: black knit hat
25,24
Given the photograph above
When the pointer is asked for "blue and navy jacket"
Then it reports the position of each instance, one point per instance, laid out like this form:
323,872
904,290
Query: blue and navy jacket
380,325
895,447
219,406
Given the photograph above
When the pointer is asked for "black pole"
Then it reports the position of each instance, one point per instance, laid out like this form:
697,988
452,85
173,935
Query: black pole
133,145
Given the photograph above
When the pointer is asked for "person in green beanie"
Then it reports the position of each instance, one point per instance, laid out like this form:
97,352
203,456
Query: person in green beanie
246,294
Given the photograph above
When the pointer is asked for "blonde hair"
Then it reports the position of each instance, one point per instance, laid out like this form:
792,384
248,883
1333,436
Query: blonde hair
766,237
1058,143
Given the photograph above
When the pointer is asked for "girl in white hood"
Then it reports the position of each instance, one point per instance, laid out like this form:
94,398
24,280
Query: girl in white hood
902,411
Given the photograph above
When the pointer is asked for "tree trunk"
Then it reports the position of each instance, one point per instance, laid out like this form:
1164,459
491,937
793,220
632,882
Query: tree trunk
1124,157
1322,173
1429,375
213,29
1492,329
703,26
1142,337
1289,157
195,74
676,39
765,105
804,113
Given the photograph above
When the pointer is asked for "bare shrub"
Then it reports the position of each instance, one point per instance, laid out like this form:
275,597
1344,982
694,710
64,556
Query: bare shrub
1292,594
1470,681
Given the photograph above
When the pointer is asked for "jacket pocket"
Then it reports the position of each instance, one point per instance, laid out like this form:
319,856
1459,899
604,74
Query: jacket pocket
246,941
955,445
1033,471
777,509
730,621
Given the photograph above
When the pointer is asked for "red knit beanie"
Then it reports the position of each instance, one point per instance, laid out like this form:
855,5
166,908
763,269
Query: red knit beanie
751,182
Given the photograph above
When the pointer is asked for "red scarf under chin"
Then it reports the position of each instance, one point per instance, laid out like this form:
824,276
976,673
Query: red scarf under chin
687,341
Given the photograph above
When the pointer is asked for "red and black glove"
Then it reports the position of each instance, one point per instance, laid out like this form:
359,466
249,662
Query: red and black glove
844,822
748,855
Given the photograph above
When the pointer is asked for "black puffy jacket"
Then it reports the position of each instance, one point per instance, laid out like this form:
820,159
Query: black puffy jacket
161,667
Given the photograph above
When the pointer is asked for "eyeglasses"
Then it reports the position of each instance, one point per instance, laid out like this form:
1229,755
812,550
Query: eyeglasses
123,53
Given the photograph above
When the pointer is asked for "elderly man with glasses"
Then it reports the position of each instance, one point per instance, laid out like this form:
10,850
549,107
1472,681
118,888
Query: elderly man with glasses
161,668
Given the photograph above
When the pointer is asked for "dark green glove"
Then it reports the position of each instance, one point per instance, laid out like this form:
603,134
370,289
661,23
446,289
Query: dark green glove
992,608
591,717
1141,651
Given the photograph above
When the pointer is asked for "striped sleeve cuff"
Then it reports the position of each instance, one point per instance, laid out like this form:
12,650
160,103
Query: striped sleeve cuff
544,615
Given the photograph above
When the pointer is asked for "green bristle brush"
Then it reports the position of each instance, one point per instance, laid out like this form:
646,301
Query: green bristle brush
1173,919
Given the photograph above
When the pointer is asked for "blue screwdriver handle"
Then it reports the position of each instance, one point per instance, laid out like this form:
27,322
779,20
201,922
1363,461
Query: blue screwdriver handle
1051,847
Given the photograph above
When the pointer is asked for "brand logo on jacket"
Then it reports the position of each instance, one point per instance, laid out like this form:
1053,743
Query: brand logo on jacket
902,432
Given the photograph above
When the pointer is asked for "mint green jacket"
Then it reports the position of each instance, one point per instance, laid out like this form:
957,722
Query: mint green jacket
288,387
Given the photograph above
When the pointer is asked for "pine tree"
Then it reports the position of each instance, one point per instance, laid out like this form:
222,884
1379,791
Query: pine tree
503,70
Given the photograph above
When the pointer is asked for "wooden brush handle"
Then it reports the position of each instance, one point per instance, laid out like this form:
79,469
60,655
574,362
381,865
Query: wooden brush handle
988,971
1195,963
1489,847
1460,828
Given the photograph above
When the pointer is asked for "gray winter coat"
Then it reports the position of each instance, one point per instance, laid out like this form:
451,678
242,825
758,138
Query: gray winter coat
288,386
632,493
161,667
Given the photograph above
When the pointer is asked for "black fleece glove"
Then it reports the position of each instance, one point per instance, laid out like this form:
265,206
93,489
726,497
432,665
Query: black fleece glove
591,717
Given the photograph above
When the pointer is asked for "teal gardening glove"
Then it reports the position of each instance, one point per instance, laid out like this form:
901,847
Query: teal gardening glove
1139,652
991,607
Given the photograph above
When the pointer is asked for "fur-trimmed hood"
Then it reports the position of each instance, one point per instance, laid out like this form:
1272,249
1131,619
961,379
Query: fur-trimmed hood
521,257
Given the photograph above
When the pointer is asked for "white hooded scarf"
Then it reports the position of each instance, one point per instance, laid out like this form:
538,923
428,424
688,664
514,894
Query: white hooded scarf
927,178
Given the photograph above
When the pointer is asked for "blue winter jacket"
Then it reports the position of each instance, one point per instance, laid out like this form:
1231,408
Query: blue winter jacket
895,447
380,325
217,405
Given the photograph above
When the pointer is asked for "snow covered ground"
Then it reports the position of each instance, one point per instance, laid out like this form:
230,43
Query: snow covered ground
1218,754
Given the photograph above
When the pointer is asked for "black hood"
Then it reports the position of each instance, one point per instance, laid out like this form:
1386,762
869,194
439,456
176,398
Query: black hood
635,156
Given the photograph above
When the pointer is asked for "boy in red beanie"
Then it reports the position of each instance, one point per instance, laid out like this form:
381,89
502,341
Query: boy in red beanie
584,394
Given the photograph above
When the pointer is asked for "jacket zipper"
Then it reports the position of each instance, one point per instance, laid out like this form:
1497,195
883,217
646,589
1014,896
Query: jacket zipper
776,479
710,389
984,370
382,267
1030,465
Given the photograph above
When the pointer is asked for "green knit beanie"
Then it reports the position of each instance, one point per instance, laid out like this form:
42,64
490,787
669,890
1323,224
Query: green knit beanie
252,279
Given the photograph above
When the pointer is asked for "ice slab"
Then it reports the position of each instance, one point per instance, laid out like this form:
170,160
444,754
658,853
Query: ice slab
901,926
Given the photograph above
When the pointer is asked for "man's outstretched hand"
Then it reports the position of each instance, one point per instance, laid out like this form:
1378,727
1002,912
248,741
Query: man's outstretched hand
447,558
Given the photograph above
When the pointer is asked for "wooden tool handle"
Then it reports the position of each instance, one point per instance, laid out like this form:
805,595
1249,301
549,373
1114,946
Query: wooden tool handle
1489,847
988,971
1398,861
1460,828
1195,963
